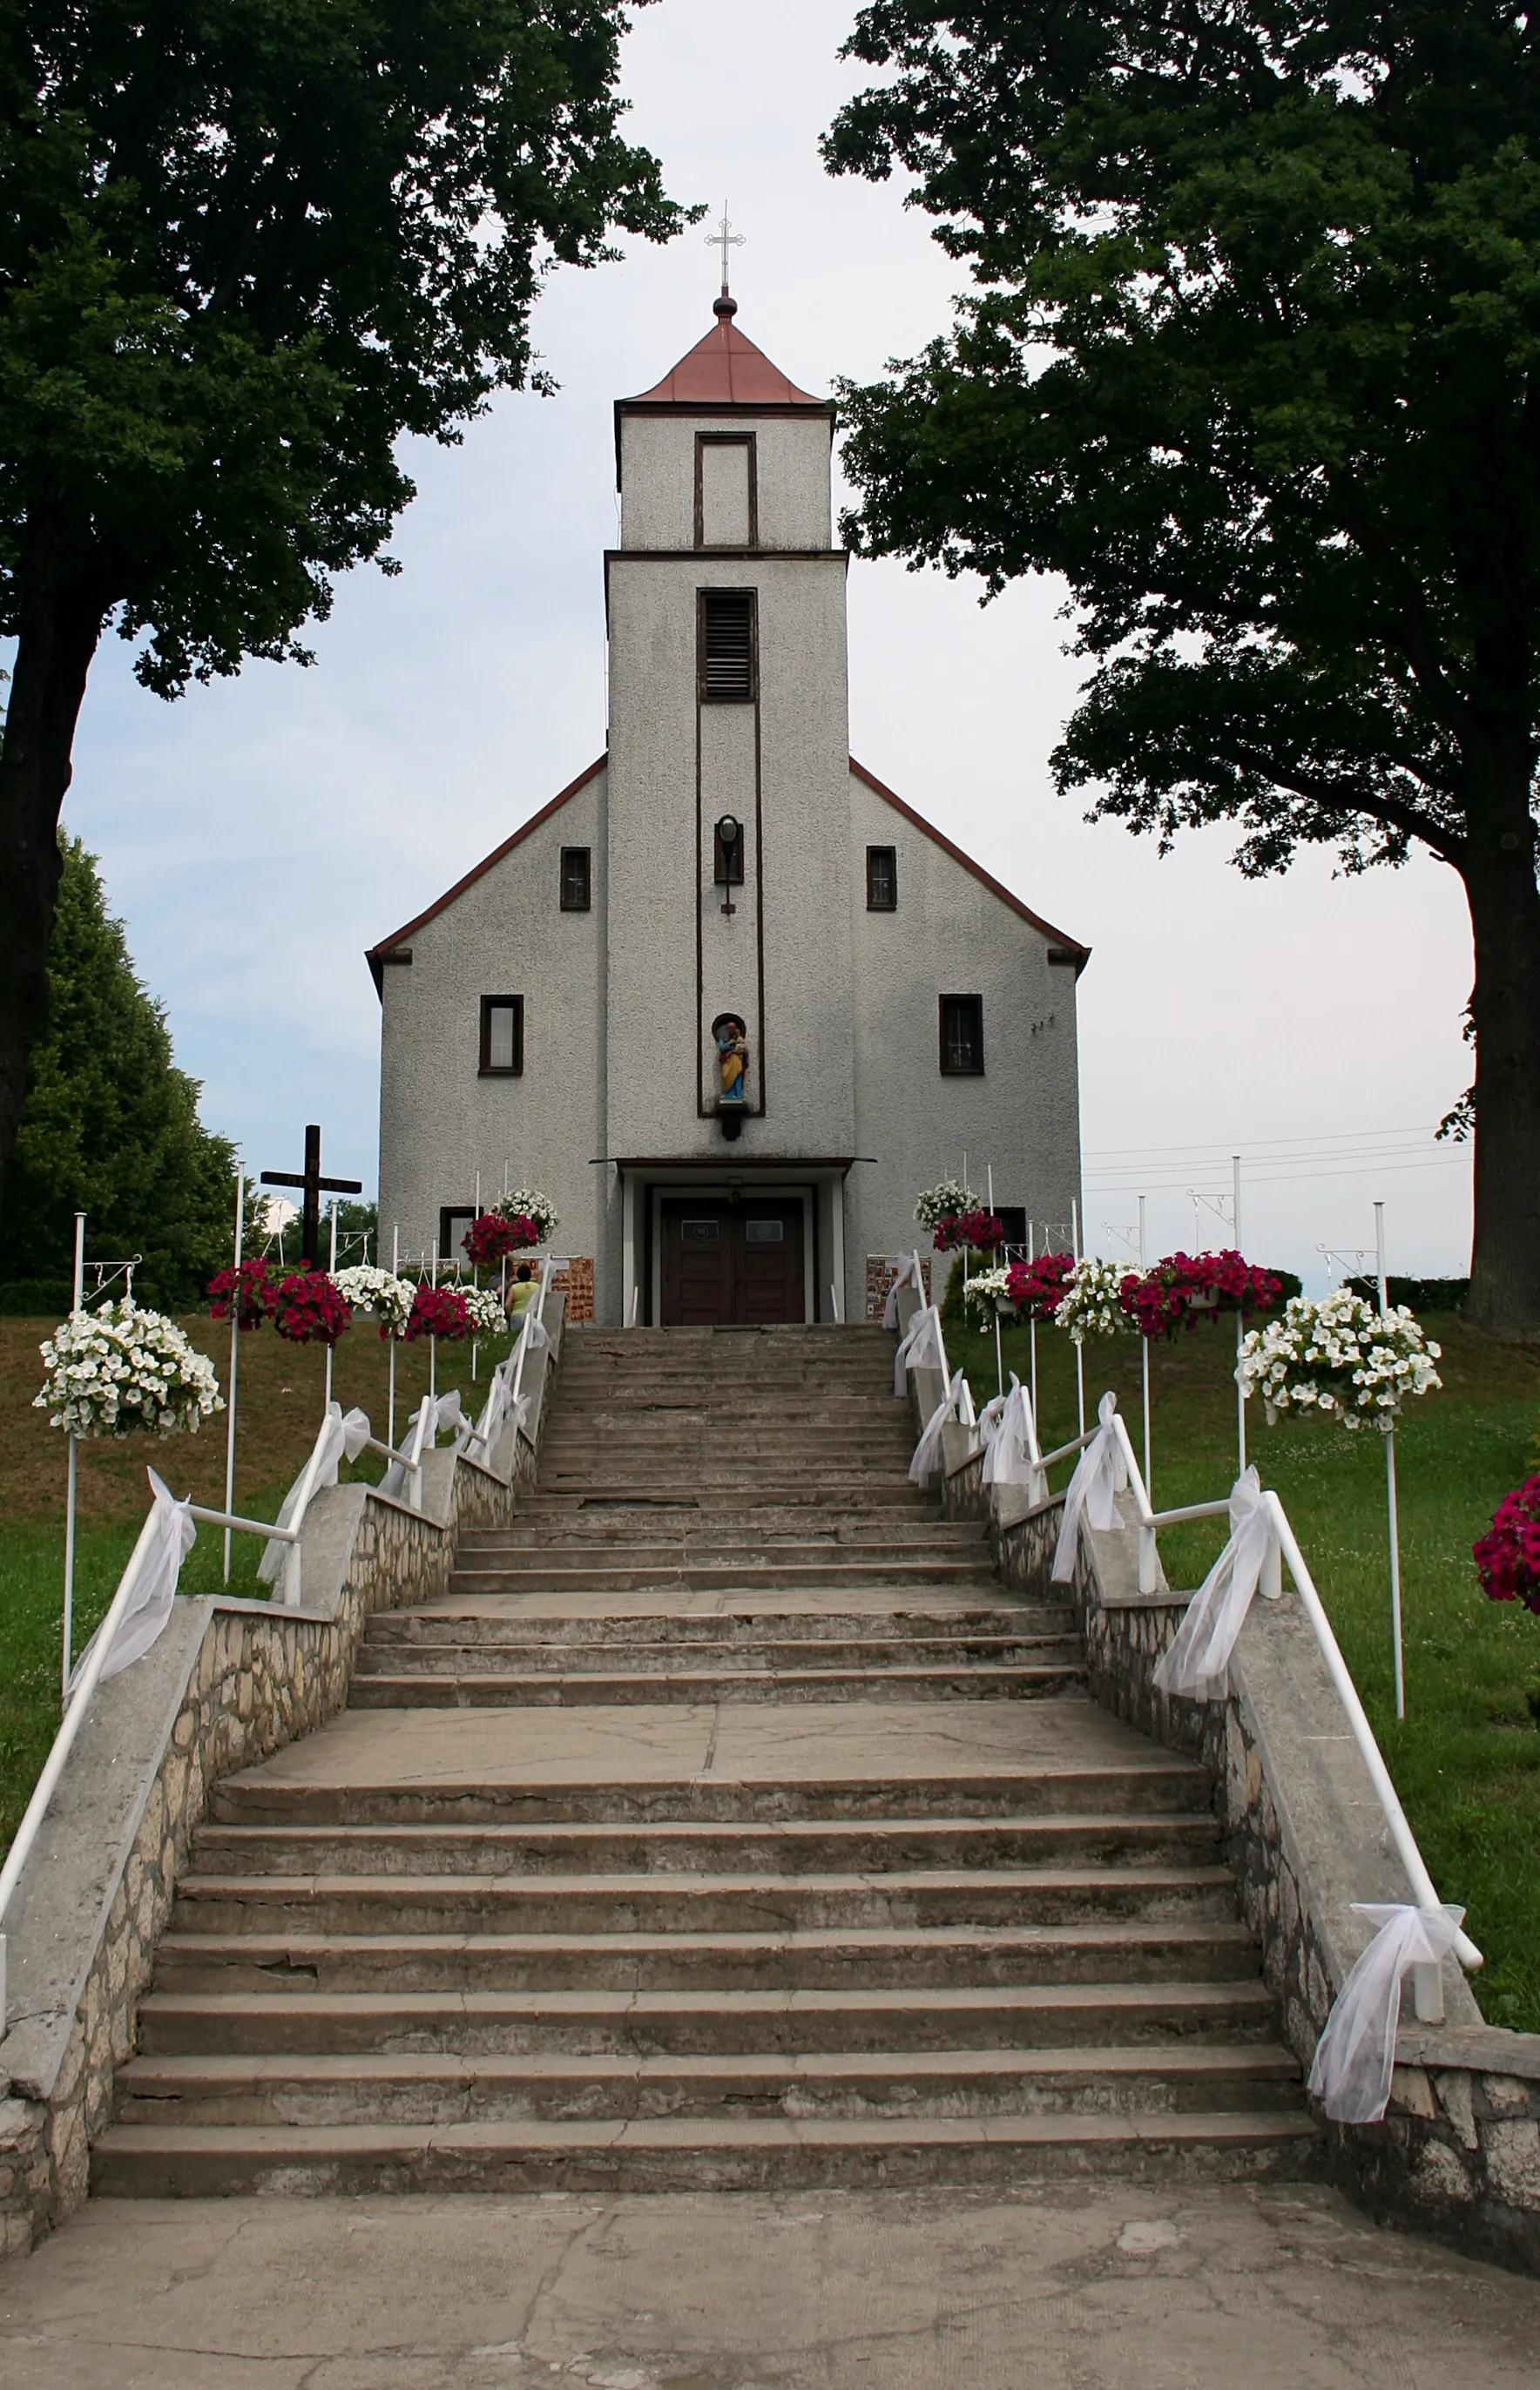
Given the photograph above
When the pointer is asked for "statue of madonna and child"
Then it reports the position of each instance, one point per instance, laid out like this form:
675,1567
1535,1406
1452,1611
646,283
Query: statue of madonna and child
732,1049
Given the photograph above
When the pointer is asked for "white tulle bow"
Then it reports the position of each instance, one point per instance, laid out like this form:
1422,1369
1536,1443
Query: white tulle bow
341,1436
927,1460
1196,1663
903,1268
159,1558
1356,2054
1009,1459
1091,1490
919,1348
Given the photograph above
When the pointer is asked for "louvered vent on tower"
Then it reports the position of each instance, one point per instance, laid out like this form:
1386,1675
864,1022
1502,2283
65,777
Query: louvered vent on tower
728,647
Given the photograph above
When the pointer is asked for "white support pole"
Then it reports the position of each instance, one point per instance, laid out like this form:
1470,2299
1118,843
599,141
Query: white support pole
432,1341
77,1301
1390,1486
475,1274
1080,1349
1032,1327
235,1366
999,1356
333,1271
395,1272
1144,1342
1240,1335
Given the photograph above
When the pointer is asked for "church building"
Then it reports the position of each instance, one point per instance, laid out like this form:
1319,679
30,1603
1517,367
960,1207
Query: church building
727,999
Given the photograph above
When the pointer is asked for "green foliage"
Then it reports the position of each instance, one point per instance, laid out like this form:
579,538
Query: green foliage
243,251
1418,1295
110,1125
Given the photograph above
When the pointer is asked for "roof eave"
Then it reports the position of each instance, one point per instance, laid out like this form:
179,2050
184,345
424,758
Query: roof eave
939,838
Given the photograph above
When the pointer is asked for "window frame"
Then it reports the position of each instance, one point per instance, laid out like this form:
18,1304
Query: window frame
962,1069
891,904
487,1069
447,1212
725,440
568,854
704,694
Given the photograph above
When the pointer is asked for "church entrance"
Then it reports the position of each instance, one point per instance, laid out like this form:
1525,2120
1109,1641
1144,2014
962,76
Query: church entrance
731,1265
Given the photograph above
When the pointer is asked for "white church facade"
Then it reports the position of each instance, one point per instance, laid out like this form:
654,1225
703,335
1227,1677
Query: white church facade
729,1000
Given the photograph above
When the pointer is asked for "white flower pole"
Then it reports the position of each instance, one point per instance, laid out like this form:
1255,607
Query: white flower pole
432,1341
395,1272
1390,1479
1239,1336
1079,1355
77,1302
235,1363
1144,1360
327,1411
999,1359
1031,1324
475,1274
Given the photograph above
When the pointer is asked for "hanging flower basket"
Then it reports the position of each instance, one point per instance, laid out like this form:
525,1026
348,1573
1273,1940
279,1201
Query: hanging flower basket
484,1306
1091,1304
310,1309
440,1311
372,1293
527,1203
1341,1357
985,1296
946,1202
979,1231
491,1237
1507,1556
1035,1289
1186,1287
117,1369
247,1292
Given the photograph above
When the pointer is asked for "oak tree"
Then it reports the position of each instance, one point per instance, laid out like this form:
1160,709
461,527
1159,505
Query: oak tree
1251,359
246,246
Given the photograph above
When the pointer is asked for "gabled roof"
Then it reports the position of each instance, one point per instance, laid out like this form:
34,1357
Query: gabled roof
376,956
1067,945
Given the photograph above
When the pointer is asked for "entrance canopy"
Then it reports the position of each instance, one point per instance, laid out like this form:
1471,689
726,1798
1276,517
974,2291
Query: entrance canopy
704,1245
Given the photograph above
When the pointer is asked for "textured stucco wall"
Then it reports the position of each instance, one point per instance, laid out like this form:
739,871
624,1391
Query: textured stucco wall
952,935
657,479
440,1122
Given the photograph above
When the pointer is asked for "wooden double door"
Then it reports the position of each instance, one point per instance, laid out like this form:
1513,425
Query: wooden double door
731,1265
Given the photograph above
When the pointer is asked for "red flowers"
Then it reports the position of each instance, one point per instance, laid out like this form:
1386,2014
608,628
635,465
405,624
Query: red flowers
490,1236
248,1291
1036,1288
1186,1287
310,1310
1507,1557
437,1311
980,1229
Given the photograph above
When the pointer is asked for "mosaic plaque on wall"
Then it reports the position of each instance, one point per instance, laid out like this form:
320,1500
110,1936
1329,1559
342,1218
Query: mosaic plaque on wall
576,1283
881,1270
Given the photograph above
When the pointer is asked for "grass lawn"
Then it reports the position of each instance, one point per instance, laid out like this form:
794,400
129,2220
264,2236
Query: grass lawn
281,1389
1465,1760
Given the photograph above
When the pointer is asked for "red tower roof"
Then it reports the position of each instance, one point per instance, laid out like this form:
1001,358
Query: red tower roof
725,369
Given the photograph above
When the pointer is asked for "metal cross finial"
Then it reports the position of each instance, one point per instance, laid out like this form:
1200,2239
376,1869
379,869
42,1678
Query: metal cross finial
725,238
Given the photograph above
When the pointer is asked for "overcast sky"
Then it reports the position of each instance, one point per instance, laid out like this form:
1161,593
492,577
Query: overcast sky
257,835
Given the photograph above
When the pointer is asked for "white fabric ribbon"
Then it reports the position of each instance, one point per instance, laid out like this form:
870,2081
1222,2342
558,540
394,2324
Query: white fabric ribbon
903,1275
927,1460
433,1414
1354,2055
919,1348
1008,1459
500,1405
1090,1489
1197,1663
341,1437
171,1536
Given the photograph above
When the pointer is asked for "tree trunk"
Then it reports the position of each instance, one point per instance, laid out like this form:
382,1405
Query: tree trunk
1505,919
59,624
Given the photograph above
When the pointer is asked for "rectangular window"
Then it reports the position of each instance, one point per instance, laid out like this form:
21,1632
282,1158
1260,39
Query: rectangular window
962,1035
701,1232
881,878
502,1037
763,1232
726,646
453,1220
1013,1220
724,494
577,892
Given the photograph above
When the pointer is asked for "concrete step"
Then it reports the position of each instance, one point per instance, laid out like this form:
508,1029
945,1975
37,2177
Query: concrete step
746,1499
730,2023
467,1645
1191,1949
426,2088
533,1574
422,1684
762,1633
783,1847
693,2153
745,1904
1159,1786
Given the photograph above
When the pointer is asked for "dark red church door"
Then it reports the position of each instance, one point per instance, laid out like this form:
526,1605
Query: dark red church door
731,1265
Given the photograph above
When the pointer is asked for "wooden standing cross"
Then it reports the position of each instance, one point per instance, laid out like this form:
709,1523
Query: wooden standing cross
315,1186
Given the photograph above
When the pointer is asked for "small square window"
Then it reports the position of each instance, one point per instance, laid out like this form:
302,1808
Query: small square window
453,1220
1013,1220
577,879
502,1037
962,1035
881,878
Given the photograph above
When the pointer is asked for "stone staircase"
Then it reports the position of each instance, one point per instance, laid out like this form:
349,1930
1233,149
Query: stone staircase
725,1825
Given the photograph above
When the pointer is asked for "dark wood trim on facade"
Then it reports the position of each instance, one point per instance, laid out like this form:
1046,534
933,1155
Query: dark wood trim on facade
727,440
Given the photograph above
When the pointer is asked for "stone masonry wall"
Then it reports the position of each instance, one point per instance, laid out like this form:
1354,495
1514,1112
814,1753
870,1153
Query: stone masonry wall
258,1678
1458,2150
